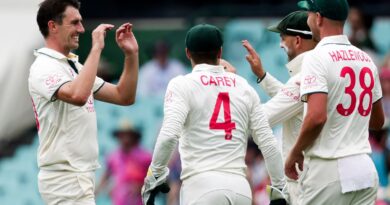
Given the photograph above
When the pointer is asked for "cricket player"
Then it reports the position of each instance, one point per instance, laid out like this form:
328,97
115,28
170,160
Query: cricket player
341,86
63,91
211,112
285,105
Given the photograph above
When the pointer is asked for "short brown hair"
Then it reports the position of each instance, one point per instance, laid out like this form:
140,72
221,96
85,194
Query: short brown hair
53,10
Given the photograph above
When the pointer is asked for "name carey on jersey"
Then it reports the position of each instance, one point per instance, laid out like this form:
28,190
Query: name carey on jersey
348,55
209,80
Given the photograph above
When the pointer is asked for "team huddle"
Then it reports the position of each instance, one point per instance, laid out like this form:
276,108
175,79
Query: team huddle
326,108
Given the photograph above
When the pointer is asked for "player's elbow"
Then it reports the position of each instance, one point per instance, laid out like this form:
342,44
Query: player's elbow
319,120
127,101
79,100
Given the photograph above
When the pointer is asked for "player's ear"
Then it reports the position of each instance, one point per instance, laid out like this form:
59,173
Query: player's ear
298,41
52,26
219,55
319,19
188,54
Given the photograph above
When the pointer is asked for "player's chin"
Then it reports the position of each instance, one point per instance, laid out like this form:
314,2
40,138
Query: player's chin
74,45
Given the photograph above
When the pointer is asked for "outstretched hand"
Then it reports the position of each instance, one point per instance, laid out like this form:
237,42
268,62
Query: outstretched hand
253,59
126,39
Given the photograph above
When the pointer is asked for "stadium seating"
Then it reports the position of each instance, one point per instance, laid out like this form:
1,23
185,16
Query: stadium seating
379,29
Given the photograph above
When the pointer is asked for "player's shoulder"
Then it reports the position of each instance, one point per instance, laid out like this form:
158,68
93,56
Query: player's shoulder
178,82
44,60
312,54
43,64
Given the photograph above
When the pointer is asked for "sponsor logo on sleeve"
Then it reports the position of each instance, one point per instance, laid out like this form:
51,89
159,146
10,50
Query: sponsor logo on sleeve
53,80
310,81
169,96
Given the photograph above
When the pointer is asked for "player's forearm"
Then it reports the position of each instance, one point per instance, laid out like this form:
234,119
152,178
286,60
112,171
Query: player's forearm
127,84
263,137
271,85
274,163
377,117
78,91
163,151
83,83
174,117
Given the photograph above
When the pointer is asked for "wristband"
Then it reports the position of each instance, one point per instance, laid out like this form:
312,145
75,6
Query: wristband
261,79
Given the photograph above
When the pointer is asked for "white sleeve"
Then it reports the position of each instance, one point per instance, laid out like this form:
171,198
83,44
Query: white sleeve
285,104
47,79
176,109
97,84
262,135
377,92
313,76
270,84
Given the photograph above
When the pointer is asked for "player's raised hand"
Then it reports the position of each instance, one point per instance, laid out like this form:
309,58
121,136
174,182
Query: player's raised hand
126,39
99,34
290,168
253,59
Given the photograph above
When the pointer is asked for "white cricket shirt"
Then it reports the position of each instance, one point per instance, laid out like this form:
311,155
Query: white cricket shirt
285,105
350,79
212,113
67,133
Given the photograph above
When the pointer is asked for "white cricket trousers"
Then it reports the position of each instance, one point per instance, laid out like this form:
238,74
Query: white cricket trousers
293,192
67,188
216,188
319,184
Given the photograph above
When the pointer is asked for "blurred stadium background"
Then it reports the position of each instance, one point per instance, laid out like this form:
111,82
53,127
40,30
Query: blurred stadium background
154,21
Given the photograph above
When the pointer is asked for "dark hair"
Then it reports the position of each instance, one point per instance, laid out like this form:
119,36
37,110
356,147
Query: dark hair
210,57
53,10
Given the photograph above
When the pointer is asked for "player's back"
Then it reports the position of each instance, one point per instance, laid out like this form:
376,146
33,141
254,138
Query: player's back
352,84
216,128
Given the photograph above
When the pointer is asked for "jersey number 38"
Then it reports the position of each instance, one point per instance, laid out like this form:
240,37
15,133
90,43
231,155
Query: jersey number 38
367,91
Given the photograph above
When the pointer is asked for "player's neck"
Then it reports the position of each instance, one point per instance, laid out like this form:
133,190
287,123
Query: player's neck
331,31
52,44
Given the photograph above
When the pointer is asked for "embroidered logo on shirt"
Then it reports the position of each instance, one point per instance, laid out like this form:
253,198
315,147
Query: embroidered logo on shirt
291,93
52,80
89,105
310,80
168,96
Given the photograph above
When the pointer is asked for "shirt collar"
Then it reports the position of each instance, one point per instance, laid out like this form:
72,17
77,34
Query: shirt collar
208,67
339,39
294,66
55,54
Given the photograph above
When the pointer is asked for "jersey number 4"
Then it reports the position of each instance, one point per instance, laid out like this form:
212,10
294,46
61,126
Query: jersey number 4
367,90
228,125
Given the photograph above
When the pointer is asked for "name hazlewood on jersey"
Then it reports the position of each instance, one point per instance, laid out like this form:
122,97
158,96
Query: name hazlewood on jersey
349,55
